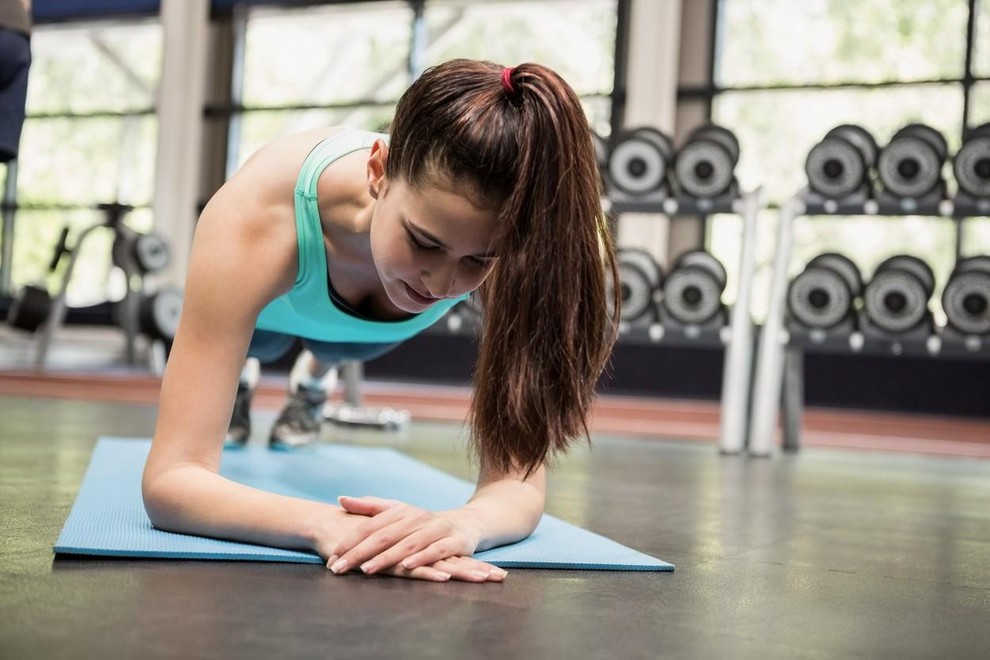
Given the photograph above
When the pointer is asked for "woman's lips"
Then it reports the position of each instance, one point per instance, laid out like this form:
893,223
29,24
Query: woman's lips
418,297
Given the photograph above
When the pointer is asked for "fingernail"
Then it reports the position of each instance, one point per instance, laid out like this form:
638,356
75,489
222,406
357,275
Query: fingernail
442,577
331,559
339,566
498,572
479,575
368,567
408,565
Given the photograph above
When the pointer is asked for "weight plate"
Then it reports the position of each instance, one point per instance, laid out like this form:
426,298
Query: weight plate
860,138
692,295
636,165
895,300
835,168
819,297
657,138
977,264
150,253
704,168
30,309
160,313
966,301
909,167
844,266
913,265
971,167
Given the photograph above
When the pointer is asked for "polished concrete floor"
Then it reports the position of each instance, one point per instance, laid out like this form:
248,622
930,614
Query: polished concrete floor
827,554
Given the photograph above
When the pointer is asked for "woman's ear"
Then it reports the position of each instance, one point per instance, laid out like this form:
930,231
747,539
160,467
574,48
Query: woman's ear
376,169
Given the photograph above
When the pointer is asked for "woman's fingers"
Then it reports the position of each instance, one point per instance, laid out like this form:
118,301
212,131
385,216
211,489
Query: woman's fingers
468,569
365,506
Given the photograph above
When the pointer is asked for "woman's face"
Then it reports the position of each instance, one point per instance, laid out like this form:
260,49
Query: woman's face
429,243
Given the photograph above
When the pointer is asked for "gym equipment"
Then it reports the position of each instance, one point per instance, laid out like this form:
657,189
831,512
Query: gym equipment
108,516
154,314
705,165
839,166
910,166
971,165
638,163
639,281
966,297
601,154
896,298
692,293
823,295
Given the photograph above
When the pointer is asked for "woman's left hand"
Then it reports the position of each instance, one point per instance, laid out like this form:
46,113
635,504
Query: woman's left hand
401,535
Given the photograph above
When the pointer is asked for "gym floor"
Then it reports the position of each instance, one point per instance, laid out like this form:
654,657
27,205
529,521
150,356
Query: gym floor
825,554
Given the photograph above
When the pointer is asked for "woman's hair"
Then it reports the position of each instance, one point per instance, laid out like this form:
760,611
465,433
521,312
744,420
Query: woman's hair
519,142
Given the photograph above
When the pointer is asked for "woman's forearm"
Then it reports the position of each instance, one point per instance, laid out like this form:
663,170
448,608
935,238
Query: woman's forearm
190,499
502,512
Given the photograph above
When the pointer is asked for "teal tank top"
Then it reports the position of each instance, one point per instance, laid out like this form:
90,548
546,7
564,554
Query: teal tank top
307,310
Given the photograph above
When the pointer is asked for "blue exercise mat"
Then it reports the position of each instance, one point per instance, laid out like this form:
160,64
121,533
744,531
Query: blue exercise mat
108,517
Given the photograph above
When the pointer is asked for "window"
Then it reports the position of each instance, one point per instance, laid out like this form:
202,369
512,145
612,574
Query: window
90,137
787,72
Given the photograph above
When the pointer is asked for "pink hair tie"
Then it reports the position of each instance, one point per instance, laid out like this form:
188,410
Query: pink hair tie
507,81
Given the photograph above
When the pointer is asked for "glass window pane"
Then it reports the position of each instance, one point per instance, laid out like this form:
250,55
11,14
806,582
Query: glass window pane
262,126
979,104
777,129
975,236
981,40
575,38
99,67
765,42
325,55
87,160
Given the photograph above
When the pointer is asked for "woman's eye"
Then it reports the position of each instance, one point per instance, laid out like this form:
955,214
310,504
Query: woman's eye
478,263
419,244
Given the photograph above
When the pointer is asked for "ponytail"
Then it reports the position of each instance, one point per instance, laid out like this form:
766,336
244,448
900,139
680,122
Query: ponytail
520,139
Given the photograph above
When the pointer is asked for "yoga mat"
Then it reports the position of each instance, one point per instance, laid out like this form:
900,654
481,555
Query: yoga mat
108,517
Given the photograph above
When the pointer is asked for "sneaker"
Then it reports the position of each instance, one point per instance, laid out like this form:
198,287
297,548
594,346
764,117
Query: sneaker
299,422
239,429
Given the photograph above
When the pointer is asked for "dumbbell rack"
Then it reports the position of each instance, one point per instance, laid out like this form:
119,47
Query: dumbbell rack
737,336
780,354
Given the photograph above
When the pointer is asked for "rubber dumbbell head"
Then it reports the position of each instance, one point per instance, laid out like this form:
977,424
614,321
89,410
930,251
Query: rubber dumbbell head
845,267
896,298
840,164
639,279
638,161
971,165
966,297
692,293
911,163
705,165
820,297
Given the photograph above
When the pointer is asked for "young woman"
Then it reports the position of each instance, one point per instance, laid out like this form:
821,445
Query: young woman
356,241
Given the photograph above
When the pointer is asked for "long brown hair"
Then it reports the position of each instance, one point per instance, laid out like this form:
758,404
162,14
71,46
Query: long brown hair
520,142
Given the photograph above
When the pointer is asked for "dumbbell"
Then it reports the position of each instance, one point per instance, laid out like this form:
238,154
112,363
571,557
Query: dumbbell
692,293
840,164
971,165
911,163
638,161
896,298
705,165
966,298
34,304
640,277
823,295
159,313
